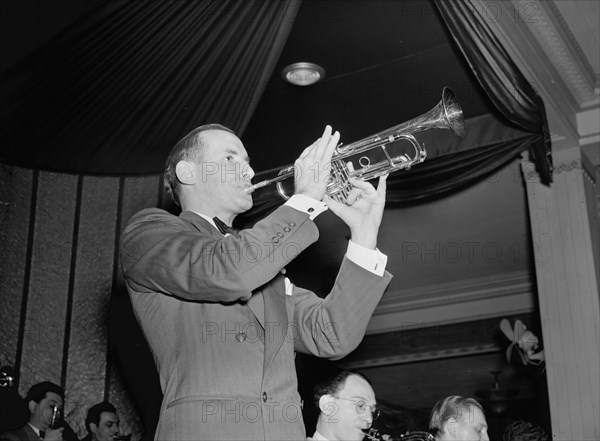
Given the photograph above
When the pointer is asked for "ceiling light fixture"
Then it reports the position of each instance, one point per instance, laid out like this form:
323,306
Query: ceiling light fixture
303,74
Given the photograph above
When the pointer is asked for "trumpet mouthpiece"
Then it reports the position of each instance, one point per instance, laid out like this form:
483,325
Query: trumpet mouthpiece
253,188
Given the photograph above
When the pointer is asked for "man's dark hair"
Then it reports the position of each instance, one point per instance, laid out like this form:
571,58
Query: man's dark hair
38,392
186,149
94,412
453,406
522,430
334,383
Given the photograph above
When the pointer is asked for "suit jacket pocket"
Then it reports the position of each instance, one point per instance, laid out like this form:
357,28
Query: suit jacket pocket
206,398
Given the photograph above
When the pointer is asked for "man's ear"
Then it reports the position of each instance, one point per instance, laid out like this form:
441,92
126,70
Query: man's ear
451,427
327,405
185,172
93,428
31,406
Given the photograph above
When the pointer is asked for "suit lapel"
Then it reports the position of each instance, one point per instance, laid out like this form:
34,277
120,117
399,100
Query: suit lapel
28,433
255,303
200,224
276,319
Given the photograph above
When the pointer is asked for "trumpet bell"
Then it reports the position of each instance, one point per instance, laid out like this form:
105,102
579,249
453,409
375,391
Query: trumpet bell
452,113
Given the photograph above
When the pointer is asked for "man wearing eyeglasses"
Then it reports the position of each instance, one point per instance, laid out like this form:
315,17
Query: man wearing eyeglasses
348,407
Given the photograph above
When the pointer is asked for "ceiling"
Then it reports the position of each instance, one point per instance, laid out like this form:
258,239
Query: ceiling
465,258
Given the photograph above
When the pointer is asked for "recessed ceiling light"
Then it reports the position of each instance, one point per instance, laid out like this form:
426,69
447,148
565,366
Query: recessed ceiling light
303,74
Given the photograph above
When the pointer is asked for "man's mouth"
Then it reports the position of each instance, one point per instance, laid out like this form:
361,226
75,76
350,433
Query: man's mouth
249,189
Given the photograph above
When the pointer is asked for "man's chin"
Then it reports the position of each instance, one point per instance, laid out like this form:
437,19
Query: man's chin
359,434
249,203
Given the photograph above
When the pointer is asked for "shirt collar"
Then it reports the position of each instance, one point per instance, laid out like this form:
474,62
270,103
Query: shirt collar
35,429
206,218
318,436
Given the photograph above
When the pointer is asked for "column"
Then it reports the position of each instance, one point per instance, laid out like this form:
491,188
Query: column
568,295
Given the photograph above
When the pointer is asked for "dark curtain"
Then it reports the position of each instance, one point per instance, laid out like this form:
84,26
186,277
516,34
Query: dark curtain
87,102
501,79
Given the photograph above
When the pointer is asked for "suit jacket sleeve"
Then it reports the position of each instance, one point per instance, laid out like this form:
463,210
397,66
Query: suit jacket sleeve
188,258
334,326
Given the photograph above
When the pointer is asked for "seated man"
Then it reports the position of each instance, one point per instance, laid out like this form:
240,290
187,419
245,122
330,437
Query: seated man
45,401
456,418
102,423
348,407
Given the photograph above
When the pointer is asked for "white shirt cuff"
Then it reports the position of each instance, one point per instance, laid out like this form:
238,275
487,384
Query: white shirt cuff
371,260
307,205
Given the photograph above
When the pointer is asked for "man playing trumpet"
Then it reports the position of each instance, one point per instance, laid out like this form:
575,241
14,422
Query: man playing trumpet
222,321
44,401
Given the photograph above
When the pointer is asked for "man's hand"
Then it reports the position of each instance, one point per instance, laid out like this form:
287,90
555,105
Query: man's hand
362,211
313,167
54,434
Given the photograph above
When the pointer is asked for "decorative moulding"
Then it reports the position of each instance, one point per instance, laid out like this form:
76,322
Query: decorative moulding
423,356
509,25
550,29
463,301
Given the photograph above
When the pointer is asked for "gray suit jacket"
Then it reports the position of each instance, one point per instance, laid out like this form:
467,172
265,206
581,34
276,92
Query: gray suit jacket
224,329
25,433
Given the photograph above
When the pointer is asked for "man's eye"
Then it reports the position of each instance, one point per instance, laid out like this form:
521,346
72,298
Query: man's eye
229,158
361,406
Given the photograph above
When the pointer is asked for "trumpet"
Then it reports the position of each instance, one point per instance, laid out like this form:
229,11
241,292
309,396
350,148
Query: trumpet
376,435
447,114
55,416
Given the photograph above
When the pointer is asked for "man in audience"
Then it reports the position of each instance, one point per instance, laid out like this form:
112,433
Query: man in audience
457,418
102,422
45,401
348,407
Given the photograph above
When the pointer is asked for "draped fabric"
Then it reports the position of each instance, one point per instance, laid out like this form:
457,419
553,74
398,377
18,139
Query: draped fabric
497,74
111,93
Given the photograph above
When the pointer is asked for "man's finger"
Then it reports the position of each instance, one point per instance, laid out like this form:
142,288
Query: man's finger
327,145
333,143
363,185
322,141
382,186
354,195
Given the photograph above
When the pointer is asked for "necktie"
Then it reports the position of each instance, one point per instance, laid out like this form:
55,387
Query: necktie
224,228
42,434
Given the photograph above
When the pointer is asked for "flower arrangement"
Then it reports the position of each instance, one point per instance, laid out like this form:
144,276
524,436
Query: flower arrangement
523,341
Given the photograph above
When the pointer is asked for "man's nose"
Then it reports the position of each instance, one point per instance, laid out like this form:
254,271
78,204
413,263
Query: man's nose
247,172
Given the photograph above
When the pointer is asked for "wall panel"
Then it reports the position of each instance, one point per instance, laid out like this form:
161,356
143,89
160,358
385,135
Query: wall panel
15,198
92,288
61,290
47,300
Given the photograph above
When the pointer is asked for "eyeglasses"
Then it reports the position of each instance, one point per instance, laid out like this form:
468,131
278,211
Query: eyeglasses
361,406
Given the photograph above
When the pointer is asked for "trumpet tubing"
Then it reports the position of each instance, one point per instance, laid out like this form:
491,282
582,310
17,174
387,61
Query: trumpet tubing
376,435
447,114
